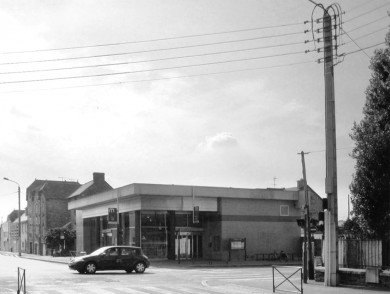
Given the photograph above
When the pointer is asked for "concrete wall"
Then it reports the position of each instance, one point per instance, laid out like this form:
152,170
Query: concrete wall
260,222
357,277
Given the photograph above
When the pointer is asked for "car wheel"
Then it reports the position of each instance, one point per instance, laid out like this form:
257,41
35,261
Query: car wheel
139,267
90,268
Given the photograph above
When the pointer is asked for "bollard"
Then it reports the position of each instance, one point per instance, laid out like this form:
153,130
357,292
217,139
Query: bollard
21,280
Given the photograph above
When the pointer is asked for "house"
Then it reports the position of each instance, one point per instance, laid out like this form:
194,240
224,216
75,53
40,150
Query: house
10,232
47,208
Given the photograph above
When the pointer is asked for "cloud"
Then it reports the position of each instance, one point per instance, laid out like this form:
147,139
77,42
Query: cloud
218,141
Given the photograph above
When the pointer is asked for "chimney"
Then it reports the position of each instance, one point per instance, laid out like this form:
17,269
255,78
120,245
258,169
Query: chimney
98,178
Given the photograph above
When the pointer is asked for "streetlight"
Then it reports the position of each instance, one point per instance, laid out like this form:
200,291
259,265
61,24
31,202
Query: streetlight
20,237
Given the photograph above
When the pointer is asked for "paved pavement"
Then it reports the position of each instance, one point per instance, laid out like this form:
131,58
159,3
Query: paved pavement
310,287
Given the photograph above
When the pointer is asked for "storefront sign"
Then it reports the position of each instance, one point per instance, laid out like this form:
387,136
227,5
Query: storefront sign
112,216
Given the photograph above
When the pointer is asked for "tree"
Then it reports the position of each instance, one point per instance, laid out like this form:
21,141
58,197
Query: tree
54,240
370,185
353,229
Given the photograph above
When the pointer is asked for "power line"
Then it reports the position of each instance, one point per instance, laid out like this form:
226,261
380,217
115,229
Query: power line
317,151
152,50
366,24
367,12
149,70
361,49
358,6
9,194
355,43
161,79
368,34
155,40
152,60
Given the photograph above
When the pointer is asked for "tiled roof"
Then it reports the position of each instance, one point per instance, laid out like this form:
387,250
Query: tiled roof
81,189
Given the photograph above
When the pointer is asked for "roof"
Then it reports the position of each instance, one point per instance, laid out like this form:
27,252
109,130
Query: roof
53,189
67,225
81,189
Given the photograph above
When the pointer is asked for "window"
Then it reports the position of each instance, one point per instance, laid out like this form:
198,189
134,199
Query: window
113,252
284,210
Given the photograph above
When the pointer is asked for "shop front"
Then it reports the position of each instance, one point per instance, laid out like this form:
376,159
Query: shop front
161,234
186,223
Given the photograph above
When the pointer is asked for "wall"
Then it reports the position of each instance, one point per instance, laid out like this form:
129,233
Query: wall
260,222
356,277
57,213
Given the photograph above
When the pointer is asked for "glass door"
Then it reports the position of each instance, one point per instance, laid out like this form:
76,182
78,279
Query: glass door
188,245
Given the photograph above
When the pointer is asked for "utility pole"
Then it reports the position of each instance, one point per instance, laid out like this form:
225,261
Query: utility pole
308,252
331,217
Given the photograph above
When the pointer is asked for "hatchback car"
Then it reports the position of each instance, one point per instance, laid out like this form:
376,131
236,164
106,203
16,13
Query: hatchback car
126,258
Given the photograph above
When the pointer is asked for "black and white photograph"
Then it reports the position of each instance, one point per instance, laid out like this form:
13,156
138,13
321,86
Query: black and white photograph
184,146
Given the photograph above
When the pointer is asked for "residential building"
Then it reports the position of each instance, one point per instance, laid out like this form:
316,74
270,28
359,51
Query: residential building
4,233
10,232
187,222
23,232
47,208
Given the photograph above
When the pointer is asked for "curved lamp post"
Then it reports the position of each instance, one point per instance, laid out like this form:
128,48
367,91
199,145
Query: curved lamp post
20,237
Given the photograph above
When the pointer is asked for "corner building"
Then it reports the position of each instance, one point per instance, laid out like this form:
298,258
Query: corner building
159,218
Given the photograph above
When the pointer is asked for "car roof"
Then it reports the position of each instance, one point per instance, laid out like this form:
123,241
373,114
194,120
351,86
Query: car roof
121,246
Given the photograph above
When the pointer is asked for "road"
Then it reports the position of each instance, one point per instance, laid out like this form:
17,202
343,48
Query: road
44,277
47,277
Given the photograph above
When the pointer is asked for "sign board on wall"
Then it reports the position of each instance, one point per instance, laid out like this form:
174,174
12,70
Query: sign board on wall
112,216
237,244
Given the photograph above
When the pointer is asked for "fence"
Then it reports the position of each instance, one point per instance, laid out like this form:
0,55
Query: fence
276,256
360,253
290,277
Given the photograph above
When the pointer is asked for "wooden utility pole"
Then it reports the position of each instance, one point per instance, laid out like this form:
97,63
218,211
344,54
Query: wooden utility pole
331,216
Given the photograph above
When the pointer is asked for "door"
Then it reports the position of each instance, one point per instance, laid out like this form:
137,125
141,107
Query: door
111,260
127,258
188,245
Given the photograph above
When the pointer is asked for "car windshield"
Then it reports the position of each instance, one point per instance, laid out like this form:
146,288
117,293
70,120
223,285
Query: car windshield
98,251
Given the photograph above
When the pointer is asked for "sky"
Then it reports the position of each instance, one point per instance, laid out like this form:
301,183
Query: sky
212,93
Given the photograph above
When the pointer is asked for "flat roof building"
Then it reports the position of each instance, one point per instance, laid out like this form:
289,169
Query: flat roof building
187,222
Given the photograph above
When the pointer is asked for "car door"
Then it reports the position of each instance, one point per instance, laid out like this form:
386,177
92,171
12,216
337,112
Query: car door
109,261
126,258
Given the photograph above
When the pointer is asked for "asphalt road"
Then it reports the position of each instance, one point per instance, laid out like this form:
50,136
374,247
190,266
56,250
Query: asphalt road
46,277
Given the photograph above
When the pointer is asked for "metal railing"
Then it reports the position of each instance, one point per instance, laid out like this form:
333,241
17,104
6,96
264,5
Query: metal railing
287,273
21,280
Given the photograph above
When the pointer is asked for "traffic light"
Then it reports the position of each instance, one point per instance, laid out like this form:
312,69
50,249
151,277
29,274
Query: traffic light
301,222
195,215
313,225
324,203
321,218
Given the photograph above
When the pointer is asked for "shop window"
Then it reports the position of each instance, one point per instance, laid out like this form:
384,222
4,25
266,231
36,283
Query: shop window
154,234
181,220
148,219
104,222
